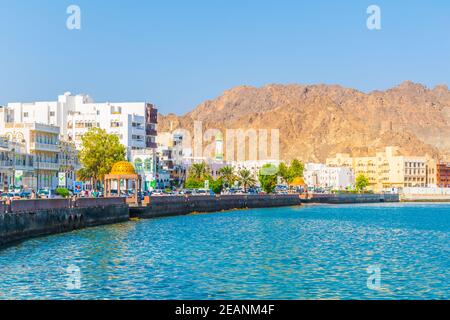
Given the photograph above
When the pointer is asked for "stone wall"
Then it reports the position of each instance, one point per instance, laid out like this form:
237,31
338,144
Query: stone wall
353,198
31,218
180,205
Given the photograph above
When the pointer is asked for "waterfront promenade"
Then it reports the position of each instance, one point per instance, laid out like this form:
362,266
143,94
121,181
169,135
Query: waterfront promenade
23,219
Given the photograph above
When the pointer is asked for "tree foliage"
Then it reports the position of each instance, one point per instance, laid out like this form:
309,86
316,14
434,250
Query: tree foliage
268,178
361,182
227,175
199,171
289,173
216,185
246,179
99,152
192,183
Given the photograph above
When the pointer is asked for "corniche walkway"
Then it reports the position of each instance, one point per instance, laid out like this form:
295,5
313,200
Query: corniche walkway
24,219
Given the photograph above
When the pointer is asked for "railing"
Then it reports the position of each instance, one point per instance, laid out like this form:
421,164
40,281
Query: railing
46,166
45,146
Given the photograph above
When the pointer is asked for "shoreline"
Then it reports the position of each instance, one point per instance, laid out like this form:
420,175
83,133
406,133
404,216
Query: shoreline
27,219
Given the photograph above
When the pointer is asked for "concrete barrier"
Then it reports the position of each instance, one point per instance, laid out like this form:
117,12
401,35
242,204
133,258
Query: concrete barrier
182,205
99,202
18,206
32,218
352,198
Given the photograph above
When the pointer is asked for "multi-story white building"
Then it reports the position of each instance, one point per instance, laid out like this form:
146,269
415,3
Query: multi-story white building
33,155
15,164
319,175
134,123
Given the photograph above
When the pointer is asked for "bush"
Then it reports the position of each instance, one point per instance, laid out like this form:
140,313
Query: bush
194,184
62,192
216,185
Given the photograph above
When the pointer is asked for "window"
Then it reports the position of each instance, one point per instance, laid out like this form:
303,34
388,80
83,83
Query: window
25,114
52,113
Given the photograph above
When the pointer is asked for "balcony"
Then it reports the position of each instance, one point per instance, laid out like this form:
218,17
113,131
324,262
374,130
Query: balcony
40,127
51,166
44,147
151,132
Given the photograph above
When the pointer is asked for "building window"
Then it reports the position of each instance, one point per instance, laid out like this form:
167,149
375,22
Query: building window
25,114
52,113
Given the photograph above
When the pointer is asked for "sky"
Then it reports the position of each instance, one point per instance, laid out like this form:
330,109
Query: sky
177,53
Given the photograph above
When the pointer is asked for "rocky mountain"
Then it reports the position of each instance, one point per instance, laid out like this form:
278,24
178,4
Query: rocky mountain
318,121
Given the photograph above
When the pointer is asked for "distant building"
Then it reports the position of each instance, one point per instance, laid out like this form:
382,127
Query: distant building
254,166
326,177
387,170
443,175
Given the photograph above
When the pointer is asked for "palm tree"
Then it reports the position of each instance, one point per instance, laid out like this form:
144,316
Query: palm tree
228,176
246,179
199,171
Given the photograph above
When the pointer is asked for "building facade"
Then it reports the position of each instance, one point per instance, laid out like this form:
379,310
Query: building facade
388,171
443,175
33,157
317,175
133,122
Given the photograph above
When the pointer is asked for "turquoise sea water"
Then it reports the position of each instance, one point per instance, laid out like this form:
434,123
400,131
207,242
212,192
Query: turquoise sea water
313,252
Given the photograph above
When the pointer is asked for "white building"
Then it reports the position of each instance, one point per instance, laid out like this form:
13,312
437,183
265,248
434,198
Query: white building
34,155
254,166
146,166
133,122
322,176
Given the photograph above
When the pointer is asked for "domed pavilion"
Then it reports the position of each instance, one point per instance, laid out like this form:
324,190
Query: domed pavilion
123,171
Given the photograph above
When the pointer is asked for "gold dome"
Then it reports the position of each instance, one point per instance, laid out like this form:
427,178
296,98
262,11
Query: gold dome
123,167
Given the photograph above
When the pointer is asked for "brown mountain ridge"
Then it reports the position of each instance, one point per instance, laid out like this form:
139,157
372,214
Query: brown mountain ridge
318,121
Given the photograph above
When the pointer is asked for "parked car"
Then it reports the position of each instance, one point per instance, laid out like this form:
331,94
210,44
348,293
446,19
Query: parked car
203,192
157,192
43,193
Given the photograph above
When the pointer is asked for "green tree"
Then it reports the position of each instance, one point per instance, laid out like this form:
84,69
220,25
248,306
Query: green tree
286,173
289,173
199,171
268,177
297,168
246,179
63,192
99,152
216,185
361,182
227,175
194,184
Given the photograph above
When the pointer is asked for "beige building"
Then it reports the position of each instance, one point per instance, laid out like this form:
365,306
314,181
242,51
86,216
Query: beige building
387,170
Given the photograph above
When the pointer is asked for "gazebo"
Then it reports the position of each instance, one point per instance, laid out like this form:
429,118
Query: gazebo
123,170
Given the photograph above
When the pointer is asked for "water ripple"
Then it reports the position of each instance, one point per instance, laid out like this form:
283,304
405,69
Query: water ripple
317,252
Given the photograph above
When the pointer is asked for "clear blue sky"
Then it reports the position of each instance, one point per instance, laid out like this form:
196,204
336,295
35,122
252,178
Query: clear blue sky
177,53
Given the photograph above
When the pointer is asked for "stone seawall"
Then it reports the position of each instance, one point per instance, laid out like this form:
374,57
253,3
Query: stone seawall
31,218
353,198
180,205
